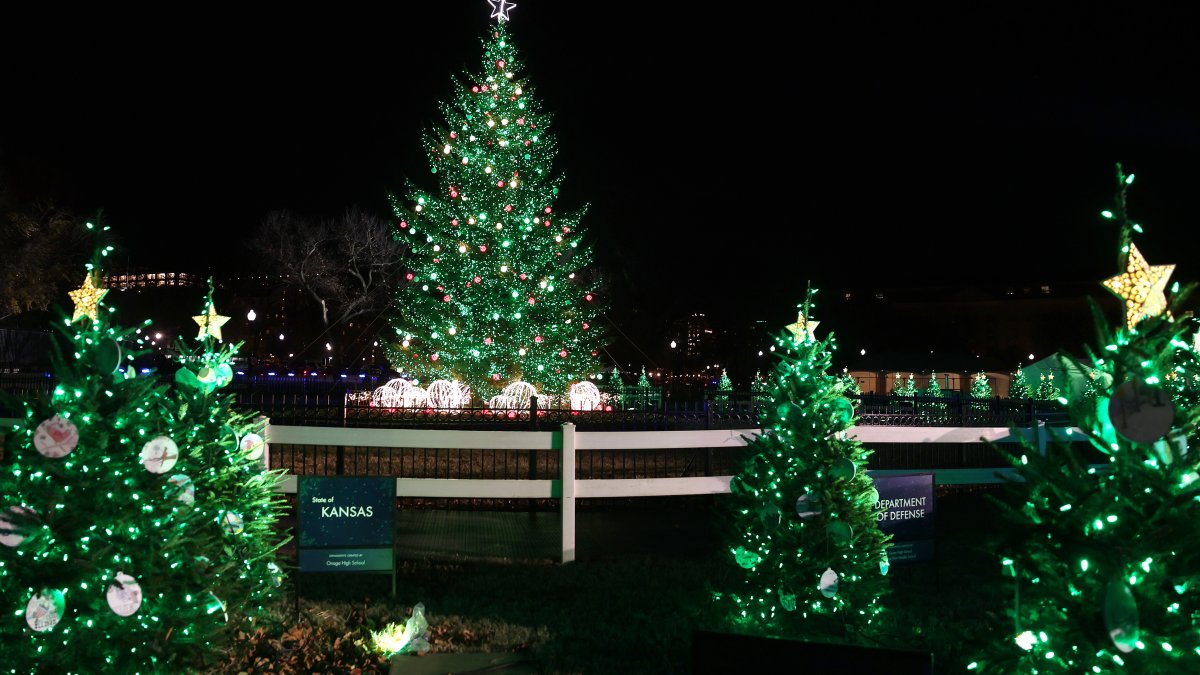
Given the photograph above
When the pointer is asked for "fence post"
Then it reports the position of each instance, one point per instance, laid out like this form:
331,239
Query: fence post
568,492
1039,430
708,452
266,434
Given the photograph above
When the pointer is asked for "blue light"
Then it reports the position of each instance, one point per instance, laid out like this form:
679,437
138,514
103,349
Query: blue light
240,372
343,375
145,370
291,374
271,373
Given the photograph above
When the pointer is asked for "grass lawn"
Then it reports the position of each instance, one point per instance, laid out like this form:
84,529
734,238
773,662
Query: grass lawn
627,613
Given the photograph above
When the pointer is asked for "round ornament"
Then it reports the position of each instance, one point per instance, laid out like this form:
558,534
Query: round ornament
884,563
224,374
872,496
207,375
829,583
182,488
843,410
187,378
843,469
1141,412
746,559
108,355
56,437
125,596
253,446
10,529
771,516
1121,615
276,574
1171,448
232,522
787,599
840,532
808,505
230,437
45,609
159,454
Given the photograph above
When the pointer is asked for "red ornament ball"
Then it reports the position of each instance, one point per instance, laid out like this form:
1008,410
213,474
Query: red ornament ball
588,297
520,120
445,298
484,87
532,301
500,63
483,249
487,341
409,276
585,325
477,280
496,376
433,357
454,194
547,209
527,144
563,353
454,222
500,183
538,339
522,276
453,134
508,208
475,90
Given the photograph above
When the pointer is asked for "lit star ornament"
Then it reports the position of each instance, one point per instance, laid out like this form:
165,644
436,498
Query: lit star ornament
803,328
210,323
1142,287
500,9
86,298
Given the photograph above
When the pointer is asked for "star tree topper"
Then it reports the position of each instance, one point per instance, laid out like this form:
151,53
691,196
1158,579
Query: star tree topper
86,298
1142,287
210,323
803,328
501,8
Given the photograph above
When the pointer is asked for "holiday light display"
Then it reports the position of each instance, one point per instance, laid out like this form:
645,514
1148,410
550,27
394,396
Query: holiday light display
113,555
1103,557
980,386
802,512
500,287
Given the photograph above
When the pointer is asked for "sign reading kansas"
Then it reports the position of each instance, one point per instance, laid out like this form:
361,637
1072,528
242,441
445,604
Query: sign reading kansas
346,523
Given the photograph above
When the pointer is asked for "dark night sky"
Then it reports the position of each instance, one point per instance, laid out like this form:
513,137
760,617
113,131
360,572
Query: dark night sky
729,151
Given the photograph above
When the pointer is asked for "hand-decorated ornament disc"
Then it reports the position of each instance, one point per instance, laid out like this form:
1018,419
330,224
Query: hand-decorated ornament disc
125,595
159,454
56,437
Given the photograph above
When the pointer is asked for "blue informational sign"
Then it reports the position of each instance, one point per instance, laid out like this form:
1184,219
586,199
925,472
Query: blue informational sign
907,514
346,523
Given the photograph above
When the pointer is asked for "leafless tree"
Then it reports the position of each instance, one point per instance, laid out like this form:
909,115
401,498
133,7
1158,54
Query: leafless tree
349,266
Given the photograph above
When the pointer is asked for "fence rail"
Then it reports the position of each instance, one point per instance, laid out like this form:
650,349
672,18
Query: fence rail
558,475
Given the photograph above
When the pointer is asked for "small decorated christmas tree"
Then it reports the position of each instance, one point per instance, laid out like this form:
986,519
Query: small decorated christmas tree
1103,556
107,563
1046,390
803,513
725,384
934,389
1019,389
980,386
908,388
223,475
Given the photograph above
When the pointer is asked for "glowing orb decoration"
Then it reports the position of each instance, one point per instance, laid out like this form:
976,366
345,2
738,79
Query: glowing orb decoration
515,396
584,396
448,395
399,393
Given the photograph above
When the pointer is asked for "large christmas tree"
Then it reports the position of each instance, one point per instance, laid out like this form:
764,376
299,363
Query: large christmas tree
118,550
803,513
1104,556
500,287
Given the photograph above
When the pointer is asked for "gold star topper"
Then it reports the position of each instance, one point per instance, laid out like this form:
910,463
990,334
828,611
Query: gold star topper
803,328
86,298
210,323
1142,287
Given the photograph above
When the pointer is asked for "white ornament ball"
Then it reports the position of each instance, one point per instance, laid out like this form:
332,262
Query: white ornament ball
125,596
9,536
253,445
45,609
232,522
182,486
56,437
829,583
159,454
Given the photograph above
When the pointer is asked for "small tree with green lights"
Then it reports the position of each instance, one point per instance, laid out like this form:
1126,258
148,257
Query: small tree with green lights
501,286
934,389
1046,390
1104,557
1019,389
106,562
908,388
980,386
725,384
802,514
223,475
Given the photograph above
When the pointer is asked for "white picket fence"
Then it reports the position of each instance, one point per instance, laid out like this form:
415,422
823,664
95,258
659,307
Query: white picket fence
567,488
